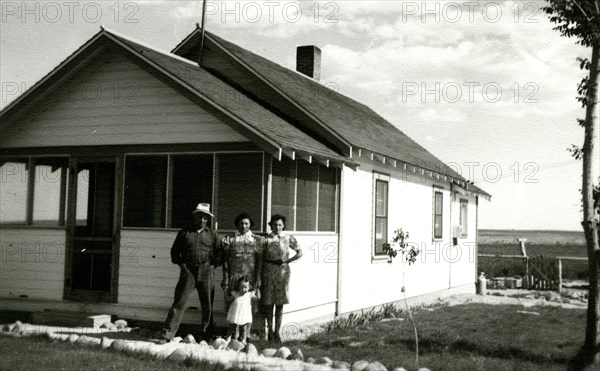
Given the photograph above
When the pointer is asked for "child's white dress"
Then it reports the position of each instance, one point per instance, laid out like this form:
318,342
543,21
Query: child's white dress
240,311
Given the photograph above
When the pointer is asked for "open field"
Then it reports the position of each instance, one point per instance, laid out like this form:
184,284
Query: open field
462,337
509,236
533,249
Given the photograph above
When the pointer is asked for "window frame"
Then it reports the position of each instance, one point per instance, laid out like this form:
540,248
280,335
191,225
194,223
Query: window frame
169,185
384,179
30,165
464,229
438,191
293,228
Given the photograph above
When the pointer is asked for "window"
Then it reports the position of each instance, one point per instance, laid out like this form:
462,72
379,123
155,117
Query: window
192,184
438,215
239,188
49,191
380,208
162,190
327,198
306,194
464,206
33,191
283,190
145,191
13,193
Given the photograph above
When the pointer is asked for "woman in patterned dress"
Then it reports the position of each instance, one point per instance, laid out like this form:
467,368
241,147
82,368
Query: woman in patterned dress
241,257
276,273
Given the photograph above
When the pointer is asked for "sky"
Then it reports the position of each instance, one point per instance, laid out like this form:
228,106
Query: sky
486,86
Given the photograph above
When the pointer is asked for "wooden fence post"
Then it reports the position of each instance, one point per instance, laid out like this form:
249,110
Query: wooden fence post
527,273
559,275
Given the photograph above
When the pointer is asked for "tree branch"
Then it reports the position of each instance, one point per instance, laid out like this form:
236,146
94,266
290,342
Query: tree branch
583,11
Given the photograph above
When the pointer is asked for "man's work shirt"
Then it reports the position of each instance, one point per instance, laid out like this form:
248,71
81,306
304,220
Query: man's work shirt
196,248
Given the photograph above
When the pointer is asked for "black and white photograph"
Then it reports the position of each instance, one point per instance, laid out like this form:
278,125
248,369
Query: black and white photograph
362,185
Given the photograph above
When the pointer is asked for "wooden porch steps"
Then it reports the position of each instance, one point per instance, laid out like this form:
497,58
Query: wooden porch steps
69,319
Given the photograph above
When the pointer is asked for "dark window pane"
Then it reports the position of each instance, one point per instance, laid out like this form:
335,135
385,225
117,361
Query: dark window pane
92,271
145,191
438,214
101,272
381,194
239,189
82,271
306,198
282,189
464,204
104,197
438,203
438,227
192,184
381,209
14,175
380,234
327,198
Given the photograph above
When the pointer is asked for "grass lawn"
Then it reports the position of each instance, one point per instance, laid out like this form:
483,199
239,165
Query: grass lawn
36,353
462,337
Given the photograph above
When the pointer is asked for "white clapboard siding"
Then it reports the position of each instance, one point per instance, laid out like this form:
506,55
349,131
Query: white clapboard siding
313,280
410,207
463,267
32,263
115,101
144,264
147,276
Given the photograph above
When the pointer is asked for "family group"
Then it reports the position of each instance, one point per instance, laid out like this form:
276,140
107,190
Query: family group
255,281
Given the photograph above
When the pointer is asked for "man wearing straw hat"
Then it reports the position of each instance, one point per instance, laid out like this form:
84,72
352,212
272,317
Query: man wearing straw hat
196,250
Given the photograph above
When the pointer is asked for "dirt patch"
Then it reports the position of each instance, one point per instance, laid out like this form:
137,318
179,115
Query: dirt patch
569,299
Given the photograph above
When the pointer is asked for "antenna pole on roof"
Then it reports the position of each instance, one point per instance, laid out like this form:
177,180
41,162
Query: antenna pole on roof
202,32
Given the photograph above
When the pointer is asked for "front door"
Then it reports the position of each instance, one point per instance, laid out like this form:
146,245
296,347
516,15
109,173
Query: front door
92,232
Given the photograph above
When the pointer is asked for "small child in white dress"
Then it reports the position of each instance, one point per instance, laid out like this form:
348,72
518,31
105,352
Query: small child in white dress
240,311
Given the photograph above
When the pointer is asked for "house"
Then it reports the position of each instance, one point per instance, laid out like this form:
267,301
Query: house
104,158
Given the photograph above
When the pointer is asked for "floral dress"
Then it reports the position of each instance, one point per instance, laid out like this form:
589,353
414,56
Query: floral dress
242,252
276,277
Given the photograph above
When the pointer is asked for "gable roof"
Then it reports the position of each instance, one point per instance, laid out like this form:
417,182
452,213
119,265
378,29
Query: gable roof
353,121
340,122
266,129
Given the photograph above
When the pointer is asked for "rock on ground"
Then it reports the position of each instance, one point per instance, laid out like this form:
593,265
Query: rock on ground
251,350
235,345
375,366
340,365
283,353
298,355
268,352
189,339
324,361
179,355
359,365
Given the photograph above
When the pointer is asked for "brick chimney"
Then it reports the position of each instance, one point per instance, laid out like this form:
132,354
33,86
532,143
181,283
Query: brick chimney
308,61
